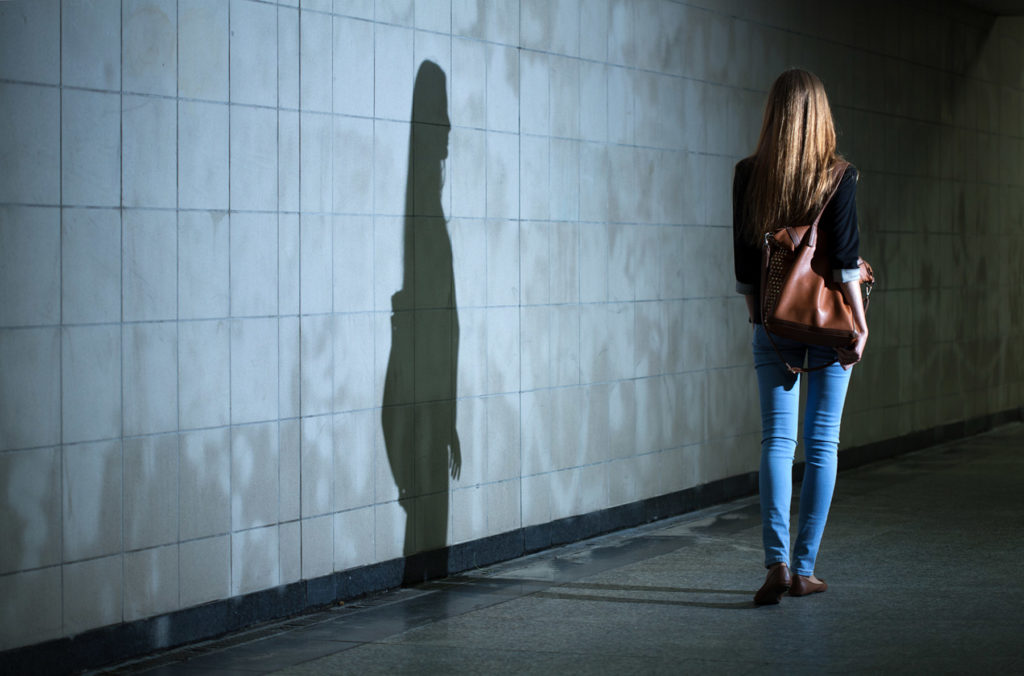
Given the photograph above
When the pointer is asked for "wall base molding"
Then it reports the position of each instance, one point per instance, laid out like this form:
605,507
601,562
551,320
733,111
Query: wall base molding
121,642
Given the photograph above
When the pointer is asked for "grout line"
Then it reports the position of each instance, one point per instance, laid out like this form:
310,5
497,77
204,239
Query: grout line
121,285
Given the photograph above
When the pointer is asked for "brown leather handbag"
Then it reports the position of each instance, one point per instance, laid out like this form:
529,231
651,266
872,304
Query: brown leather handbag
799,299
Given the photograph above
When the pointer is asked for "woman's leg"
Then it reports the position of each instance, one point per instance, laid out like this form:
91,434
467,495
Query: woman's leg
826,393
780,405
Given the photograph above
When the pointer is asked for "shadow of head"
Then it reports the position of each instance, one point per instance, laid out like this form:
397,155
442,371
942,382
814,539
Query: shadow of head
431,125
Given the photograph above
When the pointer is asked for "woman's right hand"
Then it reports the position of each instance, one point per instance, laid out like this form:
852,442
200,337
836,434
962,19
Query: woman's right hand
848,356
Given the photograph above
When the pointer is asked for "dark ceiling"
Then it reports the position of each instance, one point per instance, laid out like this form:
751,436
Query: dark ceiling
999,7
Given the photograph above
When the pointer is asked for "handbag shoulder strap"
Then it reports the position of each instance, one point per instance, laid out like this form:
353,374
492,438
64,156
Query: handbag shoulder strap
838,172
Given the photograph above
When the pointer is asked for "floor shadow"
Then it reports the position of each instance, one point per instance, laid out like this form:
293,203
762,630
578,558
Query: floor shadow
418,410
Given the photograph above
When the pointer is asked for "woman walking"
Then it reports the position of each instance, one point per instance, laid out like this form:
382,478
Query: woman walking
792,174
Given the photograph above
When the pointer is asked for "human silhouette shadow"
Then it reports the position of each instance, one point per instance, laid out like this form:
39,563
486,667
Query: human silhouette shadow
418,410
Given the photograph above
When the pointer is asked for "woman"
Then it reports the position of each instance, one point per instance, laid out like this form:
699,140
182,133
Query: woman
786,182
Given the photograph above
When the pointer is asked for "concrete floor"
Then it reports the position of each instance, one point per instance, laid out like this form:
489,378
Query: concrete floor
923,555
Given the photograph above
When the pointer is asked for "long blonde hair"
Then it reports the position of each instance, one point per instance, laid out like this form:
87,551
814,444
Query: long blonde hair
791,175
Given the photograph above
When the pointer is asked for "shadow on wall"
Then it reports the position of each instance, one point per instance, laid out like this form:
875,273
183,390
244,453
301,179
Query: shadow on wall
418,414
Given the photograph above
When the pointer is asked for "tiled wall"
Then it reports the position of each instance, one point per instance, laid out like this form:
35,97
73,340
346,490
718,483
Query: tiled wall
205,213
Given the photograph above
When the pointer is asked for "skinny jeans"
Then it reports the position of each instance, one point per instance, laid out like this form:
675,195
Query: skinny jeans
780,407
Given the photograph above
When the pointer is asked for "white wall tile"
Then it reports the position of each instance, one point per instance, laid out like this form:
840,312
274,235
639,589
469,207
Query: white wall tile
534,262
468,178
564,77
90,50
92,594
502,242
503,349
150,582
393,63
469,514
254,560
317,546
31,611
288,57
30,388
149,30
91,382
30,41
317,286
30,510
289,371
205,570
502,88
315,62
471,361
389,530
534,178
254,376
606,342
353,538
29,266
204,483
253,47
353,180
593,100
534,93
354,453
433,15
289,453
353,263
150,396
31,145
290,535
469,261
150,491
203,35
254,177
551,25
150,265
564,180
316,162
254,265
92,500
90,265
204,374
394,11
317,364
469,83
492,20
148,151
288,264
353,362
353,67
564,257
203,155
203,264
317,466
502,171
90,148
288,161
390,167
254,475
593,262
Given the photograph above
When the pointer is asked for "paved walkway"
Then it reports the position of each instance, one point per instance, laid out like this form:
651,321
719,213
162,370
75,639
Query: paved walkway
924,556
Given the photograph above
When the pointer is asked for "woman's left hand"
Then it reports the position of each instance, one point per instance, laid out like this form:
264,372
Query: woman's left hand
848,356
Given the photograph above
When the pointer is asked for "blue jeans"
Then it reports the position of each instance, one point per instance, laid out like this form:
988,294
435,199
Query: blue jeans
780,406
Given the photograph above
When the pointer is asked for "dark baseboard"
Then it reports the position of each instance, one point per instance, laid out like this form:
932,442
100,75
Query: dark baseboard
118,643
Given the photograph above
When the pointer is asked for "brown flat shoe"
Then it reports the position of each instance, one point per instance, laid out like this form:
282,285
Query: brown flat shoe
803,585
775,585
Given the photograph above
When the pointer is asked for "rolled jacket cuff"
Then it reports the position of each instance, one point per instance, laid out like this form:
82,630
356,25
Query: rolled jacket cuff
849,275
744,288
